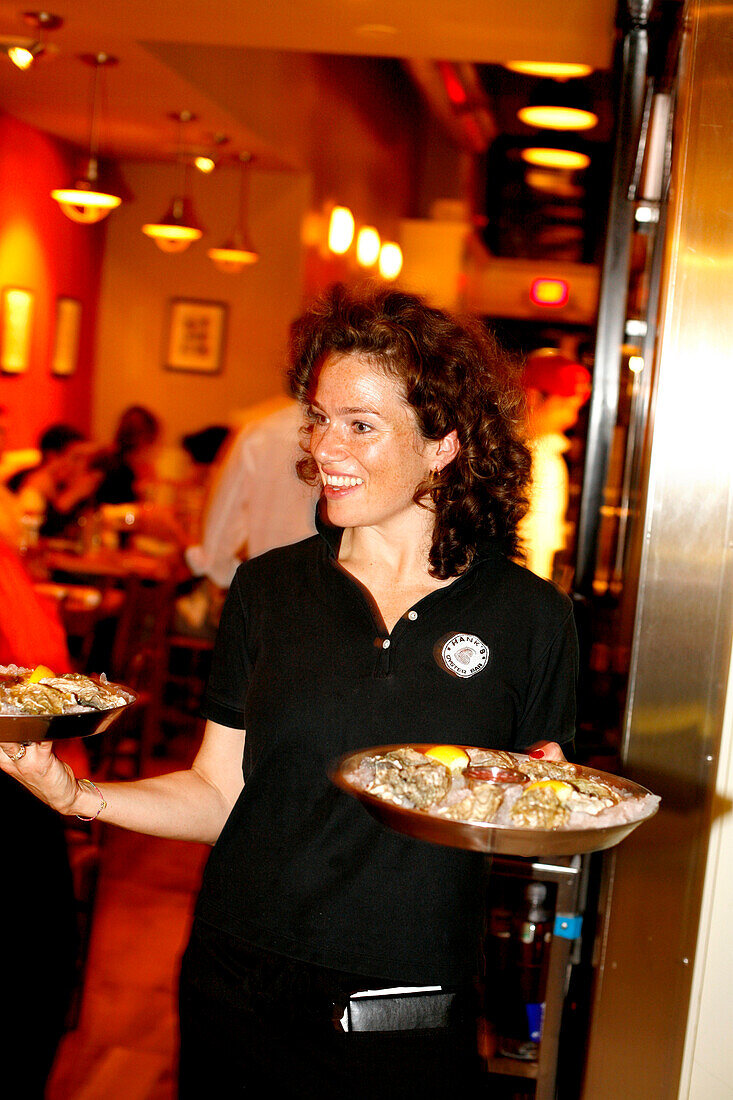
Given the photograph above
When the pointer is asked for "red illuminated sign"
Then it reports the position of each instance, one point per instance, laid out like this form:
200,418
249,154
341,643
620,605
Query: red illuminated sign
549,292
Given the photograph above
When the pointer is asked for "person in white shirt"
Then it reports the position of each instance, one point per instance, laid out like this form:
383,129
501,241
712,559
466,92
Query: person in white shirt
257,501
556,388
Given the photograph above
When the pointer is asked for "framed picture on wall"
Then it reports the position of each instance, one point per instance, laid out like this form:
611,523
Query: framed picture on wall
196,334
66,337
15,333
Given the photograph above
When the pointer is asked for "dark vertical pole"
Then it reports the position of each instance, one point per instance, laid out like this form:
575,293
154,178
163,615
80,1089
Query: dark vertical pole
612,301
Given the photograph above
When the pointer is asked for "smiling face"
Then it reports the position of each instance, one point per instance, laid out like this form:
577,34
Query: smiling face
367,445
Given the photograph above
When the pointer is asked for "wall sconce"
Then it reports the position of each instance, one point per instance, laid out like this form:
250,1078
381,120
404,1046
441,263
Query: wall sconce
237,252
390,260
24,51
340,230
367,246
559,105
178,227
86,202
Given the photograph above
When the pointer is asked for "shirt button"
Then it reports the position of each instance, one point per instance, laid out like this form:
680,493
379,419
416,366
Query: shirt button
412,615
385,643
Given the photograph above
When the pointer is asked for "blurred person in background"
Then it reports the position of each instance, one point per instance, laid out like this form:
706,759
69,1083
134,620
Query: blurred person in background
63,484
556,389
256,502
203,448
129,467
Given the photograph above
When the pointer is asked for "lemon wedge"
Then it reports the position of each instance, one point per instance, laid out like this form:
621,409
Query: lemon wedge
450,755
40,672
562,790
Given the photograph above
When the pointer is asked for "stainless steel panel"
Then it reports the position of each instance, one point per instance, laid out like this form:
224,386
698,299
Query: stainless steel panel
612,302
682,636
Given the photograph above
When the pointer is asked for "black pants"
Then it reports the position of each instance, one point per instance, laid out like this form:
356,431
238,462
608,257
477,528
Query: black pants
260,1025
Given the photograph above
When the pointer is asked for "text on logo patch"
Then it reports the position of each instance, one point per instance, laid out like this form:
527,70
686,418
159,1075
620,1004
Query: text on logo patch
465,654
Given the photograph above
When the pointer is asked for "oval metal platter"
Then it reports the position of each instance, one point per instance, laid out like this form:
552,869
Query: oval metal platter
482,836
61,727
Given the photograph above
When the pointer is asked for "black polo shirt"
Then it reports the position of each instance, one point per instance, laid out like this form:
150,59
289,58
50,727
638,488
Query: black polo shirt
304,664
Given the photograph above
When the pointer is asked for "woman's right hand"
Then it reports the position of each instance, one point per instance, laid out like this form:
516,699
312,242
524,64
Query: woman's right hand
36,766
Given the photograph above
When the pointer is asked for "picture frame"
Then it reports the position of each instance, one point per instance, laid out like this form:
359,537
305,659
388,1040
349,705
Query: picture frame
65,355
196,335
16,323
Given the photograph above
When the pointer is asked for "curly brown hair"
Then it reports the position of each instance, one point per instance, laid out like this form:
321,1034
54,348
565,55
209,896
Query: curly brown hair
454,376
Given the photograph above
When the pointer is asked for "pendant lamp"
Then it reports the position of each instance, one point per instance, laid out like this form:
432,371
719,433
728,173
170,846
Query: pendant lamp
238,251
178,227
86,201
24,51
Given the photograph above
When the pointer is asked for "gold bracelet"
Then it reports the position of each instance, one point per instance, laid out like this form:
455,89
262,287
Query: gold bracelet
88,785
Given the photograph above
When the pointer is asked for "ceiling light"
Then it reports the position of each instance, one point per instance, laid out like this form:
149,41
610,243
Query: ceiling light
23,52
548,157
558,70
559,105
557,118
86,202
206,162
23,56
237,252
390,260
367,246
340,230
178,227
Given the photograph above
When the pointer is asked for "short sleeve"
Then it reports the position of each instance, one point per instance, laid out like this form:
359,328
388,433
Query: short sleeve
549,712
226,688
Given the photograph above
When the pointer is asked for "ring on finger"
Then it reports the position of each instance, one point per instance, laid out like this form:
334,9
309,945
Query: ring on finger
17,755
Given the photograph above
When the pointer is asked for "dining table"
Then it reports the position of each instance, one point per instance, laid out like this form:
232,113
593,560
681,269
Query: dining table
113,564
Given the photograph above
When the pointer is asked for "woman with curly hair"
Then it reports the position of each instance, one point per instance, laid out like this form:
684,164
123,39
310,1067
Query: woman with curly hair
405,618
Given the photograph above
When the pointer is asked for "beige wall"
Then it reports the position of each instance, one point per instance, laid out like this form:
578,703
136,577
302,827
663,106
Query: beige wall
138,281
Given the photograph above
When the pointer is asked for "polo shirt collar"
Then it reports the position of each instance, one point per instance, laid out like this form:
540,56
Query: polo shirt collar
490,548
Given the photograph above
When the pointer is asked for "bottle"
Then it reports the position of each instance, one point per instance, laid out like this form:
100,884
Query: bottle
525,981
533,940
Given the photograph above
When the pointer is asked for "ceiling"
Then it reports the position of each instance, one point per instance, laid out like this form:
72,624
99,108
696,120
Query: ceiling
175,56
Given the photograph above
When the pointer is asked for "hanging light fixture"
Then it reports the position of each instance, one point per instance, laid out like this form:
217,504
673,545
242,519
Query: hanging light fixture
24,51
86,202
237,252
559,105
178,227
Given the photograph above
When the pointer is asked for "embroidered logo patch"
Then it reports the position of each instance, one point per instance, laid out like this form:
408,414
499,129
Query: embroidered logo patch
465,655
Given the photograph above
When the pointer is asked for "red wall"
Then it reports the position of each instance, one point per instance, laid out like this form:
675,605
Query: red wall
43,251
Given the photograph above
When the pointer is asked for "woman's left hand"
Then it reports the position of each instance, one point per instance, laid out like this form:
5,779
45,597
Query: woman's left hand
546,750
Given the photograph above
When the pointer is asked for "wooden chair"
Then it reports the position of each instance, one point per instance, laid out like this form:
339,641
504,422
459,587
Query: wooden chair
138,661
187,669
